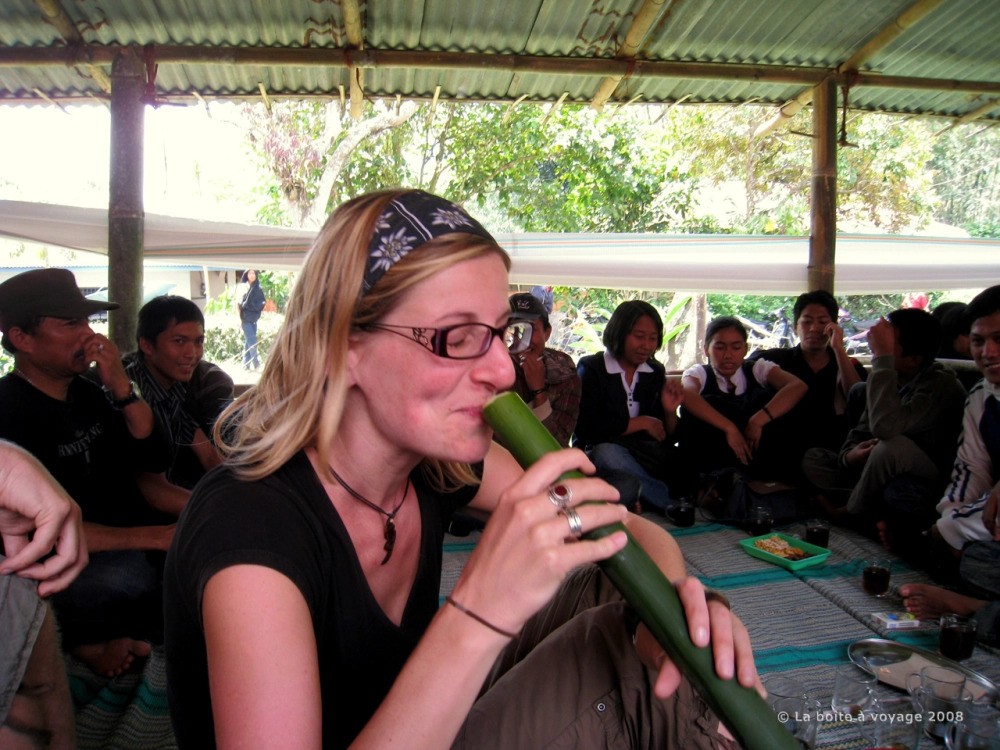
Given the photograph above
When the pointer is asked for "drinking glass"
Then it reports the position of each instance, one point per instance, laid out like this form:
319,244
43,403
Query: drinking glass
852,690
800,716
941,682
940,713
958,636
875,574
895,723
780,686
979,729
759,521
682,512
817,531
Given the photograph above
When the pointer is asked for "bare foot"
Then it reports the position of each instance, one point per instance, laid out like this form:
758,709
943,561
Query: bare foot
927,602
111,658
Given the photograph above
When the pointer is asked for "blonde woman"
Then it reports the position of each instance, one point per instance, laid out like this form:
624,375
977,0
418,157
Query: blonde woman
302,586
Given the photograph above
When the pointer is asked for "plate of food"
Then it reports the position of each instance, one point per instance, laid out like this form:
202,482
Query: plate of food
785,550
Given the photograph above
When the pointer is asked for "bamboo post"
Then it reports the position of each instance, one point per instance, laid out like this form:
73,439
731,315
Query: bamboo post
125,209
823,208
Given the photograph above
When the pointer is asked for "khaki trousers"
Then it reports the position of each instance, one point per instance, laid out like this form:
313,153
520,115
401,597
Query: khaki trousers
572,680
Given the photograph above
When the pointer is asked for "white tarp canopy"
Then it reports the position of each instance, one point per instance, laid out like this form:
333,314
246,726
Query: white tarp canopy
696,263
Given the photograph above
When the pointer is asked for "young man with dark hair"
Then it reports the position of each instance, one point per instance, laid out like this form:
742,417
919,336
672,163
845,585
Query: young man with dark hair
969,506
819,360
892,465
969,522
168,361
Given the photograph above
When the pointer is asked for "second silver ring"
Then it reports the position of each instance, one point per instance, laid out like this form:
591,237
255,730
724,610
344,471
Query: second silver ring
574,521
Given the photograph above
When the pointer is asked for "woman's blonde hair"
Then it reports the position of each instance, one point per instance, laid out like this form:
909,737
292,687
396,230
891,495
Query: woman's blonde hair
300,398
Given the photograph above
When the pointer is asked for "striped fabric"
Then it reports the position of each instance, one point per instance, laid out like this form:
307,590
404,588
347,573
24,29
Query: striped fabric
801,623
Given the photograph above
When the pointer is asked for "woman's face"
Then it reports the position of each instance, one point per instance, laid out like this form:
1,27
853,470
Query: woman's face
251,276
427,405
641,342
726,351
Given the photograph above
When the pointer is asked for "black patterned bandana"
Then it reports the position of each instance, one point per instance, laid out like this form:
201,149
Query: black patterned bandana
408,222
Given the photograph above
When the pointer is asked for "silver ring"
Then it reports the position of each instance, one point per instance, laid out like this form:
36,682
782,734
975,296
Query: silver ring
560,495
574,520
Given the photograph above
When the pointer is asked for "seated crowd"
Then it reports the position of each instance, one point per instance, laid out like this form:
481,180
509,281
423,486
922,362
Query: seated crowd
124,436
129,437
870,451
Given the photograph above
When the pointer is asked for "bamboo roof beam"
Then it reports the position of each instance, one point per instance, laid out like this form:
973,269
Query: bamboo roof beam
369,58
510,107
909,17
56,15
973,115
264,97
356,39
647,15
556,106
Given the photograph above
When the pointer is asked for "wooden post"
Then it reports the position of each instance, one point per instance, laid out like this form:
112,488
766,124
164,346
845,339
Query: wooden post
125,208
823,209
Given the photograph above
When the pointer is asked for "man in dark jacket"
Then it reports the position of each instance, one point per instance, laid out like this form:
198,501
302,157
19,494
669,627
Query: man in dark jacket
907,432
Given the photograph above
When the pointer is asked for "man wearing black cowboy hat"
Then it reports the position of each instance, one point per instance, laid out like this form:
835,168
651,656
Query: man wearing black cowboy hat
93,439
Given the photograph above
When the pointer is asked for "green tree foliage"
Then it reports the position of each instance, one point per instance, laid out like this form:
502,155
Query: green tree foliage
884,181
569,171
584,313
695,169
966,174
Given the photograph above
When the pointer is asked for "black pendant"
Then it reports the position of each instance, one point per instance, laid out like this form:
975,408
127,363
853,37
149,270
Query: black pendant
390,539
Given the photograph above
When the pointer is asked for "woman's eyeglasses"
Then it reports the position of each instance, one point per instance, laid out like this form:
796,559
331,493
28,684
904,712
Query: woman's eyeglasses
464,341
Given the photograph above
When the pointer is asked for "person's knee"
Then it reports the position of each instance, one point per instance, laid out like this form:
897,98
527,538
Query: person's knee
609,455
898,449
817,464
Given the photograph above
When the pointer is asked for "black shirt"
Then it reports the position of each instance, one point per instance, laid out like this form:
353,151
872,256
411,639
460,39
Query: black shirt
287,522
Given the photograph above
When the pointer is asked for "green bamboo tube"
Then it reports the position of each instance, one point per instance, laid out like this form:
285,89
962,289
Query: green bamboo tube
651,595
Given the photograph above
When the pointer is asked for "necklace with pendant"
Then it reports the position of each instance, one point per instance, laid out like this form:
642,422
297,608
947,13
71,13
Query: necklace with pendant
21,374
390,518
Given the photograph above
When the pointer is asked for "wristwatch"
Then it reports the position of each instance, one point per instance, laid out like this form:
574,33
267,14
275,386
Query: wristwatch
536,392
130,398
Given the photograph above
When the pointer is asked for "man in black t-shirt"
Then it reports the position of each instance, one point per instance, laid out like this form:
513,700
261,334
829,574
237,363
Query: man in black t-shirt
821,418
93,439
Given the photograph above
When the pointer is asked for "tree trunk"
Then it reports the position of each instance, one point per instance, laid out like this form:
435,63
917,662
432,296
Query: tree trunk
327,193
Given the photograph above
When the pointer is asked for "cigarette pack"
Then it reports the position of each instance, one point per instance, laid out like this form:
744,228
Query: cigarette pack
898,620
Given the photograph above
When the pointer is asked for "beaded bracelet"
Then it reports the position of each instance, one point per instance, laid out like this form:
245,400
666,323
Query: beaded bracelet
477,618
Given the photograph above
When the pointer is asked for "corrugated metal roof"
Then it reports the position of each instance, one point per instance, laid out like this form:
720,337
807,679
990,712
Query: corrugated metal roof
949,57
